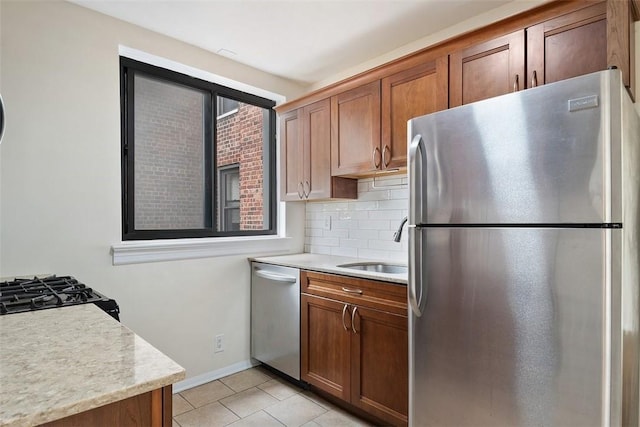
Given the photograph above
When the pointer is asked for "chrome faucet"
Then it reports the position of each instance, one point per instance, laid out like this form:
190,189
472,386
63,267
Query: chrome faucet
398,234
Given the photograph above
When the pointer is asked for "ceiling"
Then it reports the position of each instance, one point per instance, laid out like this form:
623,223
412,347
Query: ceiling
302,40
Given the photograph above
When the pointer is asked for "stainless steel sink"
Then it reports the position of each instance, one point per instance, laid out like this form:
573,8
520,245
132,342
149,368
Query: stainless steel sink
377,267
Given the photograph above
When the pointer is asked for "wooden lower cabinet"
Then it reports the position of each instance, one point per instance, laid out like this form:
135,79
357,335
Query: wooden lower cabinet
151,409
352,351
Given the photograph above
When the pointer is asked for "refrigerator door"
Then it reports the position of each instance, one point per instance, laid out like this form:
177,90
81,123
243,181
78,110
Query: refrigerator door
540,156
513,329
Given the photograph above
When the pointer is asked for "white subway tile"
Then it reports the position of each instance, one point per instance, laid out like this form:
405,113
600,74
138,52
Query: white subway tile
374,195
312,232
353,243
324,241
381,255
314,206
344,251
366,224
393,204
323,250
341,224
393,215
385,245
365,235
402,194
364,206
340,233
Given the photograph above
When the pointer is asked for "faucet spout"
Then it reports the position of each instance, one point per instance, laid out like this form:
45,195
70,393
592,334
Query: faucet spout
398,234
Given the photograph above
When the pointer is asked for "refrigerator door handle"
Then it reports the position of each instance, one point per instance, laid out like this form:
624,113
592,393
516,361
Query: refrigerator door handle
417,285
416,180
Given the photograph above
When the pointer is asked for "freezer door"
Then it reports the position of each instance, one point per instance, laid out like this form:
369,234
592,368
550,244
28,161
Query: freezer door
513,329
544,155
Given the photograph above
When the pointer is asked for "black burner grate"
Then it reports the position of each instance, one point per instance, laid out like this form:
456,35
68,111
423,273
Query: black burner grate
39,293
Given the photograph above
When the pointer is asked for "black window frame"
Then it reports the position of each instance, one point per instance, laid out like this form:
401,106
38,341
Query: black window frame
128,69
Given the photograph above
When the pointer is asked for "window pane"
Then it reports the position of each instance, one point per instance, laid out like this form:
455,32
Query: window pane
242,139
169,156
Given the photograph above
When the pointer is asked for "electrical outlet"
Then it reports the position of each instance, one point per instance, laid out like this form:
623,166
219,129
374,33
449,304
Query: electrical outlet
327,222
219,344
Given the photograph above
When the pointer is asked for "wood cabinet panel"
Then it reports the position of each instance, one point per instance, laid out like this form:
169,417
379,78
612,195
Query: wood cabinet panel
568,46
355,130
151,409
410,93
325,348
305,162
317,150
378,295
380,367
291,156
353,347
621,16
487,69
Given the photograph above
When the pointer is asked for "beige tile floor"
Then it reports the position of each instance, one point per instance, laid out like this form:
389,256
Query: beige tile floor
256,397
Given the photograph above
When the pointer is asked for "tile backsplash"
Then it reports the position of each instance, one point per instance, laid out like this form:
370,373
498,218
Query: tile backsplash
361,228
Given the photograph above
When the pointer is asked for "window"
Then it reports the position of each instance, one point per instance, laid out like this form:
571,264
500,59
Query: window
226,106
230,198
189,167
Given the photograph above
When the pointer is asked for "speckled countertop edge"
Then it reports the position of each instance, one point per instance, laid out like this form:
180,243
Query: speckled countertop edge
74,359
328,264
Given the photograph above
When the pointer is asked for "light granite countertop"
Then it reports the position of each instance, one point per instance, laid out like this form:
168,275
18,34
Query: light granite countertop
329,263
62,361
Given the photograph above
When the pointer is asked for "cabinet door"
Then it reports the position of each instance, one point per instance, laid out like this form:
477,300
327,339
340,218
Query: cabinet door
317,148
411,93
355,130
325,340
291,156
487,69
379,370
567,46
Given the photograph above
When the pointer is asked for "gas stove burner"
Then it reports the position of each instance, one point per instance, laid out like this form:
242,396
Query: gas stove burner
39,293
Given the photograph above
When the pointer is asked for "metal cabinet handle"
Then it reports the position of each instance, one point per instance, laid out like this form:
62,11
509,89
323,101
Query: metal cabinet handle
275,276
386,161
352,291
353,318
516,84
344,310
377,159
306,185
534,79
300,190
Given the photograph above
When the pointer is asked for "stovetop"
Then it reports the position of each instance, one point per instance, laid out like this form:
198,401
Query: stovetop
39,293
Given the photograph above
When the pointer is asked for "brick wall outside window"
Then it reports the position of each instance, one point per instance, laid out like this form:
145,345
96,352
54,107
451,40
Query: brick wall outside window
240,141
169,180
169,158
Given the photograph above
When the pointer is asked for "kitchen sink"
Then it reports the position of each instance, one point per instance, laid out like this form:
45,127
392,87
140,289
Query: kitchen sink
377,267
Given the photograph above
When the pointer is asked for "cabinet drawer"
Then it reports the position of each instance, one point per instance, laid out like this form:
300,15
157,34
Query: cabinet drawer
374,294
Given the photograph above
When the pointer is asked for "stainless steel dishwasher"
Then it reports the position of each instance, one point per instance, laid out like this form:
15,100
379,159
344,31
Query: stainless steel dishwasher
275,317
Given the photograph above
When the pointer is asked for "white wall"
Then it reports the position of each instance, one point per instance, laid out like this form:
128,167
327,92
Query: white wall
60,177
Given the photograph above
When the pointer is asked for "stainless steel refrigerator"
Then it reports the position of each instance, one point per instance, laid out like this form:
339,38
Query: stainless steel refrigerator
523,258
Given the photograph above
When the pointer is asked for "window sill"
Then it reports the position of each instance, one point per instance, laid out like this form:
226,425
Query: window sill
170,250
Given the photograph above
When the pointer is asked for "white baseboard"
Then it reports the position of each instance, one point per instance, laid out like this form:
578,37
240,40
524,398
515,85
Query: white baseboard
213,375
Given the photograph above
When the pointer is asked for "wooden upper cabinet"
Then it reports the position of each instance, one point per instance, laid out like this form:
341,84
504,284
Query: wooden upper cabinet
621,16
355,130
291,156
407,94
316,134
487,69
567,46
305,138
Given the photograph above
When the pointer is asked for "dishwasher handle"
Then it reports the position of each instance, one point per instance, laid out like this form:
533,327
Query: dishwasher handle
269,275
